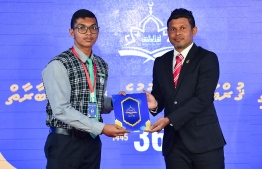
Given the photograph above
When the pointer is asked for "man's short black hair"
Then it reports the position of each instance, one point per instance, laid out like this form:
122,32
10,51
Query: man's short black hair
182,13
82,13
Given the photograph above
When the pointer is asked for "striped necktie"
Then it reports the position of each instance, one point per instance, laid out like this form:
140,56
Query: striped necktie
177,68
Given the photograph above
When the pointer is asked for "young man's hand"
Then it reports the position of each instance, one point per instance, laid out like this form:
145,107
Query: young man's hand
113,130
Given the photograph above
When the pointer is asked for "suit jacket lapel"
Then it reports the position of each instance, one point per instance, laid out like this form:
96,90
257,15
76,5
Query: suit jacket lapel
168,66
191,54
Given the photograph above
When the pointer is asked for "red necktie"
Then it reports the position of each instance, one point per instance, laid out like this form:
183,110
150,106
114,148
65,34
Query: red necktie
177,68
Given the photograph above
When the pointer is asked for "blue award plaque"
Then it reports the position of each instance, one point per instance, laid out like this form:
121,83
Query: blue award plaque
131,111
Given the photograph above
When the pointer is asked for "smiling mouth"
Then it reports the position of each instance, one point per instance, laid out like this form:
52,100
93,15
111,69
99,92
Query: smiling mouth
179,39
88,39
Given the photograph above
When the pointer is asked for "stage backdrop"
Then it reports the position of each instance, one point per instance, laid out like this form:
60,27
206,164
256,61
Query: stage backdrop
132,34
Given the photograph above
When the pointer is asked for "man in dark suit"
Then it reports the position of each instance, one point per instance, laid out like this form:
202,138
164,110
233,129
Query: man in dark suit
192,135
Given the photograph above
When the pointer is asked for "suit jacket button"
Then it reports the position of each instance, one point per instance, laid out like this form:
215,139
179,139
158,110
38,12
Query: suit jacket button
175,102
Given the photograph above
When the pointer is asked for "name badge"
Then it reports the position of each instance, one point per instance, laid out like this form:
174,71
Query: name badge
91,111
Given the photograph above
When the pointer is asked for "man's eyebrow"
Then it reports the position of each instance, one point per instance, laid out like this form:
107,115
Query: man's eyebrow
81,24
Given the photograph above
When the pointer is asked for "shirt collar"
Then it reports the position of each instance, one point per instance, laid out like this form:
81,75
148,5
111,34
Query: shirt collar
83,57
184,52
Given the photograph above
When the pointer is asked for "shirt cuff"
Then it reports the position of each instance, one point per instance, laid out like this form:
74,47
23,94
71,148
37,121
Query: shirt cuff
98,128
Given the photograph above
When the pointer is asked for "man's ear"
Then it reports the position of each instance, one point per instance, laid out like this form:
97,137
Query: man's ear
71,31
194,31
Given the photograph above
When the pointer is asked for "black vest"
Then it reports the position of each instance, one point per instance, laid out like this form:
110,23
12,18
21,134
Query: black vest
80,91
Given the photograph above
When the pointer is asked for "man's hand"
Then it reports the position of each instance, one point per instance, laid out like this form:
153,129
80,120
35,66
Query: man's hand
113,130
151,101
159,125
122,93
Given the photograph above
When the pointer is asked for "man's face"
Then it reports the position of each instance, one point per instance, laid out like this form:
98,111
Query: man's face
180,33
88,39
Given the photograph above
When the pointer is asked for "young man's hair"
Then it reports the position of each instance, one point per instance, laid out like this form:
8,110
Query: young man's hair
82,13
182,13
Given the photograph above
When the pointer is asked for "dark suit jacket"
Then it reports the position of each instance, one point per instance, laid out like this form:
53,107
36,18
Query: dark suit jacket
189,106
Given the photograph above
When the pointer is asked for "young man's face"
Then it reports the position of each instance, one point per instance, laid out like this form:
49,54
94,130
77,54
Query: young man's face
180,33
88,39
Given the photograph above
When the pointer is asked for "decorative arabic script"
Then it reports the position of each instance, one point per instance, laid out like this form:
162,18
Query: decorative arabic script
226,86
217,96
131,87
228,93
260,101
27,96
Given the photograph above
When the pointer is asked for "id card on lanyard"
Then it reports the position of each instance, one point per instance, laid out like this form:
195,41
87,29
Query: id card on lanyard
92,109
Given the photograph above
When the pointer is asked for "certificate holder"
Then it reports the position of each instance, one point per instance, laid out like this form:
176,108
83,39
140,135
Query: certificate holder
131,111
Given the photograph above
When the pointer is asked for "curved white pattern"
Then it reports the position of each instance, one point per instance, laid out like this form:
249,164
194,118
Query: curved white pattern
5,164
156,39
145,54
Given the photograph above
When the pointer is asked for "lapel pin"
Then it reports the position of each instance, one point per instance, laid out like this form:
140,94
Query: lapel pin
187,61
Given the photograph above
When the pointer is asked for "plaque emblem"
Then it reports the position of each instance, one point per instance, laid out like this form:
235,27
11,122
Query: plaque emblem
131,111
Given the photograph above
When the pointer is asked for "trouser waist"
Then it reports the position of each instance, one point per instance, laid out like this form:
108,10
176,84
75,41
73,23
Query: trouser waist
69,132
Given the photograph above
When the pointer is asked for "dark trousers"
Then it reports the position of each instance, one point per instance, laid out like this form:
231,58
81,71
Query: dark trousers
70,152
181,158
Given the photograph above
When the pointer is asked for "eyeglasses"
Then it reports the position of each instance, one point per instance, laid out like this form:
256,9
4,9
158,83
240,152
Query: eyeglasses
83,29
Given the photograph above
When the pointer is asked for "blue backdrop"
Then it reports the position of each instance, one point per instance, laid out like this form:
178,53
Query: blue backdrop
132,35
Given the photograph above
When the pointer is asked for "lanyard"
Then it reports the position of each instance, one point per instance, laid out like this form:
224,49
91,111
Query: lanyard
91,87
